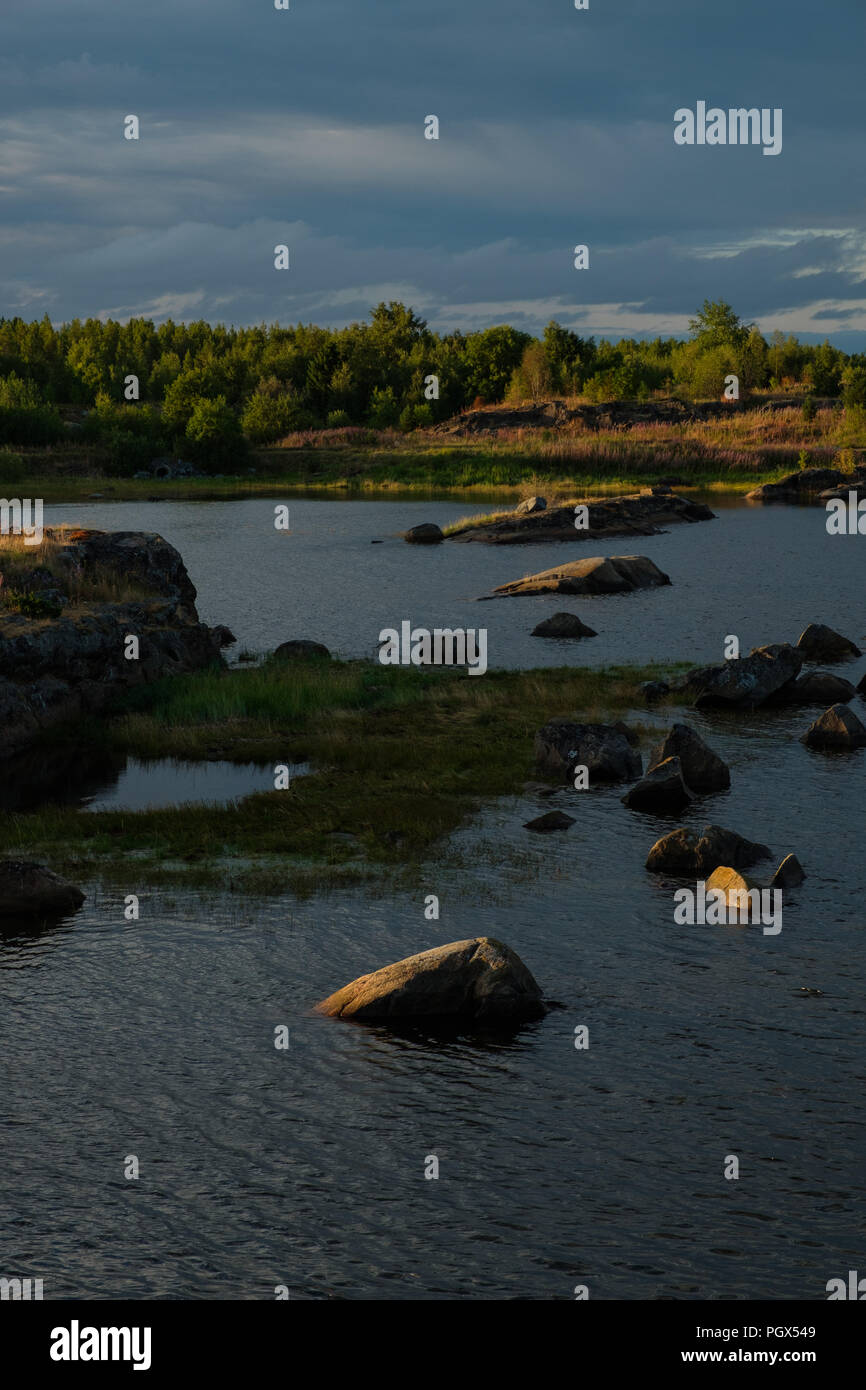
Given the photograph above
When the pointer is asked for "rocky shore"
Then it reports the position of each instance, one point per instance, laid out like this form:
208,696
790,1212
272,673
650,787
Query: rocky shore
69,653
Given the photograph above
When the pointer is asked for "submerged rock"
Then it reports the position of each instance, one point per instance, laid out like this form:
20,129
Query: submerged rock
682,852
838,727
551,820
479,980
703,770
618,574
661,792
30,890
563,625
605,750
820,643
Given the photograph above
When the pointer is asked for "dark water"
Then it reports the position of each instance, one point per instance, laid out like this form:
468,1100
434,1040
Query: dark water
558,1167
761,573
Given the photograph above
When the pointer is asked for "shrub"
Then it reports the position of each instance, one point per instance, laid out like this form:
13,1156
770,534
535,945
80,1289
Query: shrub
416,417
384,409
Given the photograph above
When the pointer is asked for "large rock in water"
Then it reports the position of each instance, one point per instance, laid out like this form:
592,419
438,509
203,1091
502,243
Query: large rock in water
479,980
618,574
563,625
661,792
29,890
428,533
748,681
682,852
606,750
820,643
838,727
703,770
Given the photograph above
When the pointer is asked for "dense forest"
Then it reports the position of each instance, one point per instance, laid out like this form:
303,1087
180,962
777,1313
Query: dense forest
208,393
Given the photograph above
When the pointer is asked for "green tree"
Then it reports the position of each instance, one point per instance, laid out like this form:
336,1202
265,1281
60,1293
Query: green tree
716,325
213,435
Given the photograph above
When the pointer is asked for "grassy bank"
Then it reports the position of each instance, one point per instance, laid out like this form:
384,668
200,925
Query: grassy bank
735,453
401,758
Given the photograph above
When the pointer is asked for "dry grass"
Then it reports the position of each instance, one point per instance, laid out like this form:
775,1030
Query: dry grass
96,584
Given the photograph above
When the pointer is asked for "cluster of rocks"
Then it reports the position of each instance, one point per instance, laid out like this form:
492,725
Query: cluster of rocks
680,768
772,674
718,857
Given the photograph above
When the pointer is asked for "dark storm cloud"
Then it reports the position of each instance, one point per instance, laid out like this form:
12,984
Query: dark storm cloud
305,127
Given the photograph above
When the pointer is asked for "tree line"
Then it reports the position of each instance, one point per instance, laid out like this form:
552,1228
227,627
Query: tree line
208,392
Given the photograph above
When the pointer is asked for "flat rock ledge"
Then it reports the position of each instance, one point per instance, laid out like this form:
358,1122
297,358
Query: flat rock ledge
617,574
479,980
641,514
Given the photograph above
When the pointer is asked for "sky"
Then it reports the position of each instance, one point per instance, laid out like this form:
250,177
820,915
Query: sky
261,127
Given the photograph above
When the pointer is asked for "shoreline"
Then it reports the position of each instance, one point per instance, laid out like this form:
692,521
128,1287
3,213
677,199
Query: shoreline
59,491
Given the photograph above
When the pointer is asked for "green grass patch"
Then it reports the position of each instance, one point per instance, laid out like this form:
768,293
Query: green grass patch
402,758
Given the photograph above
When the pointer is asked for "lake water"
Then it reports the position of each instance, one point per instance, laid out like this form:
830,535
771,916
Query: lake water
558,1167
761,573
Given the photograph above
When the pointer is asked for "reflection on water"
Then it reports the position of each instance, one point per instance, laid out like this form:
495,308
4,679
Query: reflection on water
102,780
